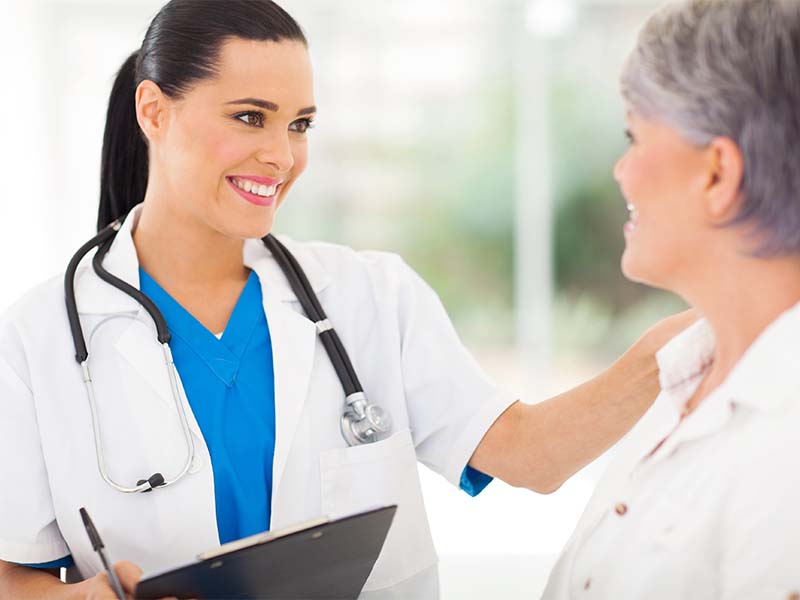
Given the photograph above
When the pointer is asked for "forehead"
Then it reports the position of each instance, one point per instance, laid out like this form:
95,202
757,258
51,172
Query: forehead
276,71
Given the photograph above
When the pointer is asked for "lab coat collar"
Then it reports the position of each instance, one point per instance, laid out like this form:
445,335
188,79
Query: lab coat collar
96,296
258,258
93,295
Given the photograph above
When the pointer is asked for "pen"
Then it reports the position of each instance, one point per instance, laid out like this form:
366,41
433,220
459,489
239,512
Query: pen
99,547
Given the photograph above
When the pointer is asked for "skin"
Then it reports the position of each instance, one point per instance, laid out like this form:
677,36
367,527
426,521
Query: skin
198,141
683,194
195,143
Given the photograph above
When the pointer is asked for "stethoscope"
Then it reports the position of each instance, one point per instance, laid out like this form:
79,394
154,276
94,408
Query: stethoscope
362,421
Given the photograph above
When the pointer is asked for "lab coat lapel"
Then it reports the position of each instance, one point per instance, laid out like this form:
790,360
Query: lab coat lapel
293,344
140,348
137,344
294,340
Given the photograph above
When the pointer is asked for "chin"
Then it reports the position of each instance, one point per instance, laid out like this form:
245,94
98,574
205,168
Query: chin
258,229
245,229
632,268
639,271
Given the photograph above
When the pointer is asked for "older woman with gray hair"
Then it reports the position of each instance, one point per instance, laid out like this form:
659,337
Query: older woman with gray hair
702,499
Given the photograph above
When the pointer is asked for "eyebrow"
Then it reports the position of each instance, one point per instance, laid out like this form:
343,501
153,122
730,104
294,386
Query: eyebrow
271,106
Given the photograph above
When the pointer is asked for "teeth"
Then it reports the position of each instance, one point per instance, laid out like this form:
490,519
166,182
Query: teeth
254,188
632,211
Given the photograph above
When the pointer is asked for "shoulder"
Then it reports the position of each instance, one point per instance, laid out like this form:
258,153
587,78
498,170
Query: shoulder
764,446
764,472
30,321
338,256
345,265
36,307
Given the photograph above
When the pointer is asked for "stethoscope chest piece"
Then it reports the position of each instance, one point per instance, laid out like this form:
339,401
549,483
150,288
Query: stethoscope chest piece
364,422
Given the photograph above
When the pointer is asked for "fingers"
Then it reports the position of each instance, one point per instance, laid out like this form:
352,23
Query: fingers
97,588
663,331
129,575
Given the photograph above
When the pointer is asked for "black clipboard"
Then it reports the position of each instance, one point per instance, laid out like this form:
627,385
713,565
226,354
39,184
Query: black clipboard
317,560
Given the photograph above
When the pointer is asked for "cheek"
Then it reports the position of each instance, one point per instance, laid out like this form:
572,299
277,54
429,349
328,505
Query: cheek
300,155
300,158
211,151
222,152
665,238
639,177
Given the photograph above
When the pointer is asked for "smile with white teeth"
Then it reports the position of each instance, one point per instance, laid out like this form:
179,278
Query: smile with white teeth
633,214
254,188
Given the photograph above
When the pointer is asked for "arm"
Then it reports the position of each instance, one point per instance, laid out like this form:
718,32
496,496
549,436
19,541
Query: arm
539,446
26,582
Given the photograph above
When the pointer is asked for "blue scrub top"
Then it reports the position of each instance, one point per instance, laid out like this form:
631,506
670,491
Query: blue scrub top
230,385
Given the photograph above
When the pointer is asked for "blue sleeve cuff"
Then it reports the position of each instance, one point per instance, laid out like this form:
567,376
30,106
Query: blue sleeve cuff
61,563
473,481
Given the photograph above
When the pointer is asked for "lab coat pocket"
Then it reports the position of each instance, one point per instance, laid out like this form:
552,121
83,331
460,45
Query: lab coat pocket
382,473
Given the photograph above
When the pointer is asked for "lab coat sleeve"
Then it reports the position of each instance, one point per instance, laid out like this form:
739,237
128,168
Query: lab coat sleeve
760,530
451,401
28,529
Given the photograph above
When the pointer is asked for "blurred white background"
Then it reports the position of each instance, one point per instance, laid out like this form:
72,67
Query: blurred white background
474,137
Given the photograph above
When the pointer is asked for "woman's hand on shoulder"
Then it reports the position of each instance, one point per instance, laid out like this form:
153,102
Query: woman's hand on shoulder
657,336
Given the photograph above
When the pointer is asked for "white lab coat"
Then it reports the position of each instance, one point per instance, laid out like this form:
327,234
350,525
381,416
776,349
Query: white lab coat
407,355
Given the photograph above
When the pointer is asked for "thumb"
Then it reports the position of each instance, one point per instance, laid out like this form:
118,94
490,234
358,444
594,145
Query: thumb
129,575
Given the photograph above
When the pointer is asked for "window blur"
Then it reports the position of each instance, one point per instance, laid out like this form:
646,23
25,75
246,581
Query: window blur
474,138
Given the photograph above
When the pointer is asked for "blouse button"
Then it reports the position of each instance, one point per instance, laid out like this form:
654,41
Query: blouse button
621,509
588,584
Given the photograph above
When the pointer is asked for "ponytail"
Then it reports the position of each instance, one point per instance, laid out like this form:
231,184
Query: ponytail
123,170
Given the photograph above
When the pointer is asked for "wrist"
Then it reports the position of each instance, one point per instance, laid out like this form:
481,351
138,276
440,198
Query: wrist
74,591
636,373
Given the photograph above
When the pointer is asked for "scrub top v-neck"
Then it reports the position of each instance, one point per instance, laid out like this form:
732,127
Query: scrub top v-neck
230,385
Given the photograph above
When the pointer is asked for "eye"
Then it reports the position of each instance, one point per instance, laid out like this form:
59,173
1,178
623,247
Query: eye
302,125
629,136
252,118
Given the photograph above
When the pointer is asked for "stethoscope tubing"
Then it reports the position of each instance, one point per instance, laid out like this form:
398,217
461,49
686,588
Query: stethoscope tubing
355,399
308,299
81,353
164,335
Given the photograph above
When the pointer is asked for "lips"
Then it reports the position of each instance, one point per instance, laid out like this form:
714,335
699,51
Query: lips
260,191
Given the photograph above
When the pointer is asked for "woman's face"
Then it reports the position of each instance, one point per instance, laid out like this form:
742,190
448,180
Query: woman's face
235,144
663,179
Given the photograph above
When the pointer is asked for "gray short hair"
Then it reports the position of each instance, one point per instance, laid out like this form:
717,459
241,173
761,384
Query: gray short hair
711,68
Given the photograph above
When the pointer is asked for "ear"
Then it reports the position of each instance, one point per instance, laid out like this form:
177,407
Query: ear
726,170
151,109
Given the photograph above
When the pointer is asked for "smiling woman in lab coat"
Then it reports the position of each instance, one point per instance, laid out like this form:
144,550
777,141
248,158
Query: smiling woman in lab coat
217,103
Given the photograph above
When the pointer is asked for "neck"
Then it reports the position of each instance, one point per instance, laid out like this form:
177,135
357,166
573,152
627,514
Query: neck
180,251
740,300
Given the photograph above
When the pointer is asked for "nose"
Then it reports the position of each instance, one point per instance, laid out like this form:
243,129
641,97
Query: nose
276,150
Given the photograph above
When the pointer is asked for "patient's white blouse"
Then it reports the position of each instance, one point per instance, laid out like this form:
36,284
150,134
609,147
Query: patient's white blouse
707,507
